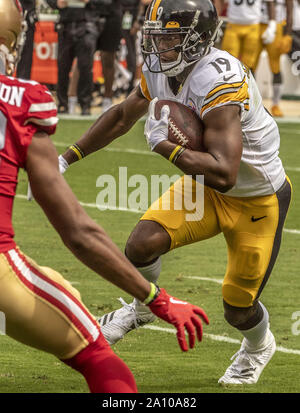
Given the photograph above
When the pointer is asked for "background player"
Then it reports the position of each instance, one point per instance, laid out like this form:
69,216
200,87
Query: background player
41,308
281,44
246,193
242,33
294,52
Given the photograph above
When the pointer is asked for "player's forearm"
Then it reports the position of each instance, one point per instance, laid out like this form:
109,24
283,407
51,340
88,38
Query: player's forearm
217,173
95,249
117,121
88,242
107,127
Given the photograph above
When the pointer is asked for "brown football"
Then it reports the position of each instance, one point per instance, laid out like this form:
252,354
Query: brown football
185,126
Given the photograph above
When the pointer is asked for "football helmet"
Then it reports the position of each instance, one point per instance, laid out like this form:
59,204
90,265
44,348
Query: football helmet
192,24
11,34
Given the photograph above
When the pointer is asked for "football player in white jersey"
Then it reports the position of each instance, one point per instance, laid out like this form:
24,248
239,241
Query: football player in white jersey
246,191
281,44
242,34
41,308
294,53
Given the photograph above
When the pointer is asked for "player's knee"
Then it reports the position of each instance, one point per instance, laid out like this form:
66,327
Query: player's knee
241,317
244,276
140,249
147,242
237,296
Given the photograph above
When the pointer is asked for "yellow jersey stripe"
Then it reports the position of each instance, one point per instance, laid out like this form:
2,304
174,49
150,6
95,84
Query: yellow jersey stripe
154,10
238,96
144,87
225,86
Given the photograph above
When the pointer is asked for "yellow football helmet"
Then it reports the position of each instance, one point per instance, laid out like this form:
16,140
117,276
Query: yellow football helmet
11,33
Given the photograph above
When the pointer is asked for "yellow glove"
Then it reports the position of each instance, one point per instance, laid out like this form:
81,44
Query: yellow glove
285,44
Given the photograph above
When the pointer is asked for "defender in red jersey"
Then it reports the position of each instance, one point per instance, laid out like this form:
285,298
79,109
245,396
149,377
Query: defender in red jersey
26,107
41,308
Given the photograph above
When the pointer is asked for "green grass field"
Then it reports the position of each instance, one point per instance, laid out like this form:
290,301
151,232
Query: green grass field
153,355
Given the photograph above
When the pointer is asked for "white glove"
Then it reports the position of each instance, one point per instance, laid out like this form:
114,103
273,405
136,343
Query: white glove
156,131
269,34
62,164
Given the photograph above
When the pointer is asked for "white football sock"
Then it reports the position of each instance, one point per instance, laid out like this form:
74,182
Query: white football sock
151,273
72,102
277,88
257,337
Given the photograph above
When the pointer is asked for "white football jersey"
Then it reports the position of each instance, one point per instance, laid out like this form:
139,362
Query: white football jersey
219,79
244,11
296,15
280,12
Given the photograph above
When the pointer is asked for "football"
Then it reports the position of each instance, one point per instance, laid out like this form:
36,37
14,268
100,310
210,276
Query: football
185,126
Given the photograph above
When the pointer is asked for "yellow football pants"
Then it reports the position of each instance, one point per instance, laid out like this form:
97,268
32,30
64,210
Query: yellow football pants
252,228
273,49
242,41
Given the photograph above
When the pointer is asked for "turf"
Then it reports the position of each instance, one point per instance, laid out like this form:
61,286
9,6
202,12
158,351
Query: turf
154,356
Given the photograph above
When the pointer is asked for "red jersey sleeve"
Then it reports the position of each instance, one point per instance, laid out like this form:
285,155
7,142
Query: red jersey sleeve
41,111
36,113
26,107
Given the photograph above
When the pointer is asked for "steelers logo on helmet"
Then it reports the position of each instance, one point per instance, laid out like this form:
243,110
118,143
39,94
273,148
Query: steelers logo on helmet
177,33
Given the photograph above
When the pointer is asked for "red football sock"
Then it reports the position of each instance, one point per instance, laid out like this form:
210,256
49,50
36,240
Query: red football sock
103,370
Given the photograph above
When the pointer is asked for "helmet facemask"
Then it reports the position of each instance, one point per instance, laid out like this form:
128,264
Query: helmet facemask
11,59
190,48
12,35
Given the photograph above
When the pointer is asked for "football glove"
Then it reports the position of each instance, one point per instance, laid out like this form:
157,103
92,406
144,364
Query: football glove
182,315
286,44
156,131
269,34
62,164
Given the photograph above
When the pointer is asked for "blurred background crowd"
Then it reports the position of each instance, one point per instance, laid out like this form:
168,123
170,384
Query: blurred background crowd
108,32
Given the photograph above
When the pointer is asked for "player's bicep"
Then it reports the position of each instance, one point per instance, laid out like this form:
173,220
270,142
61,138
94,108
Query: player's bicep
135,106
223,137
48,186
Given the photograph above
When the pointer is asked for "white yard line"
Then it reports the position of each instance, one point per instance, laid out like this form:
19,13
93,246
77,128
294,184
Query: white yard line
214,337
292,231
109,149
214,280
136,211
290,168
